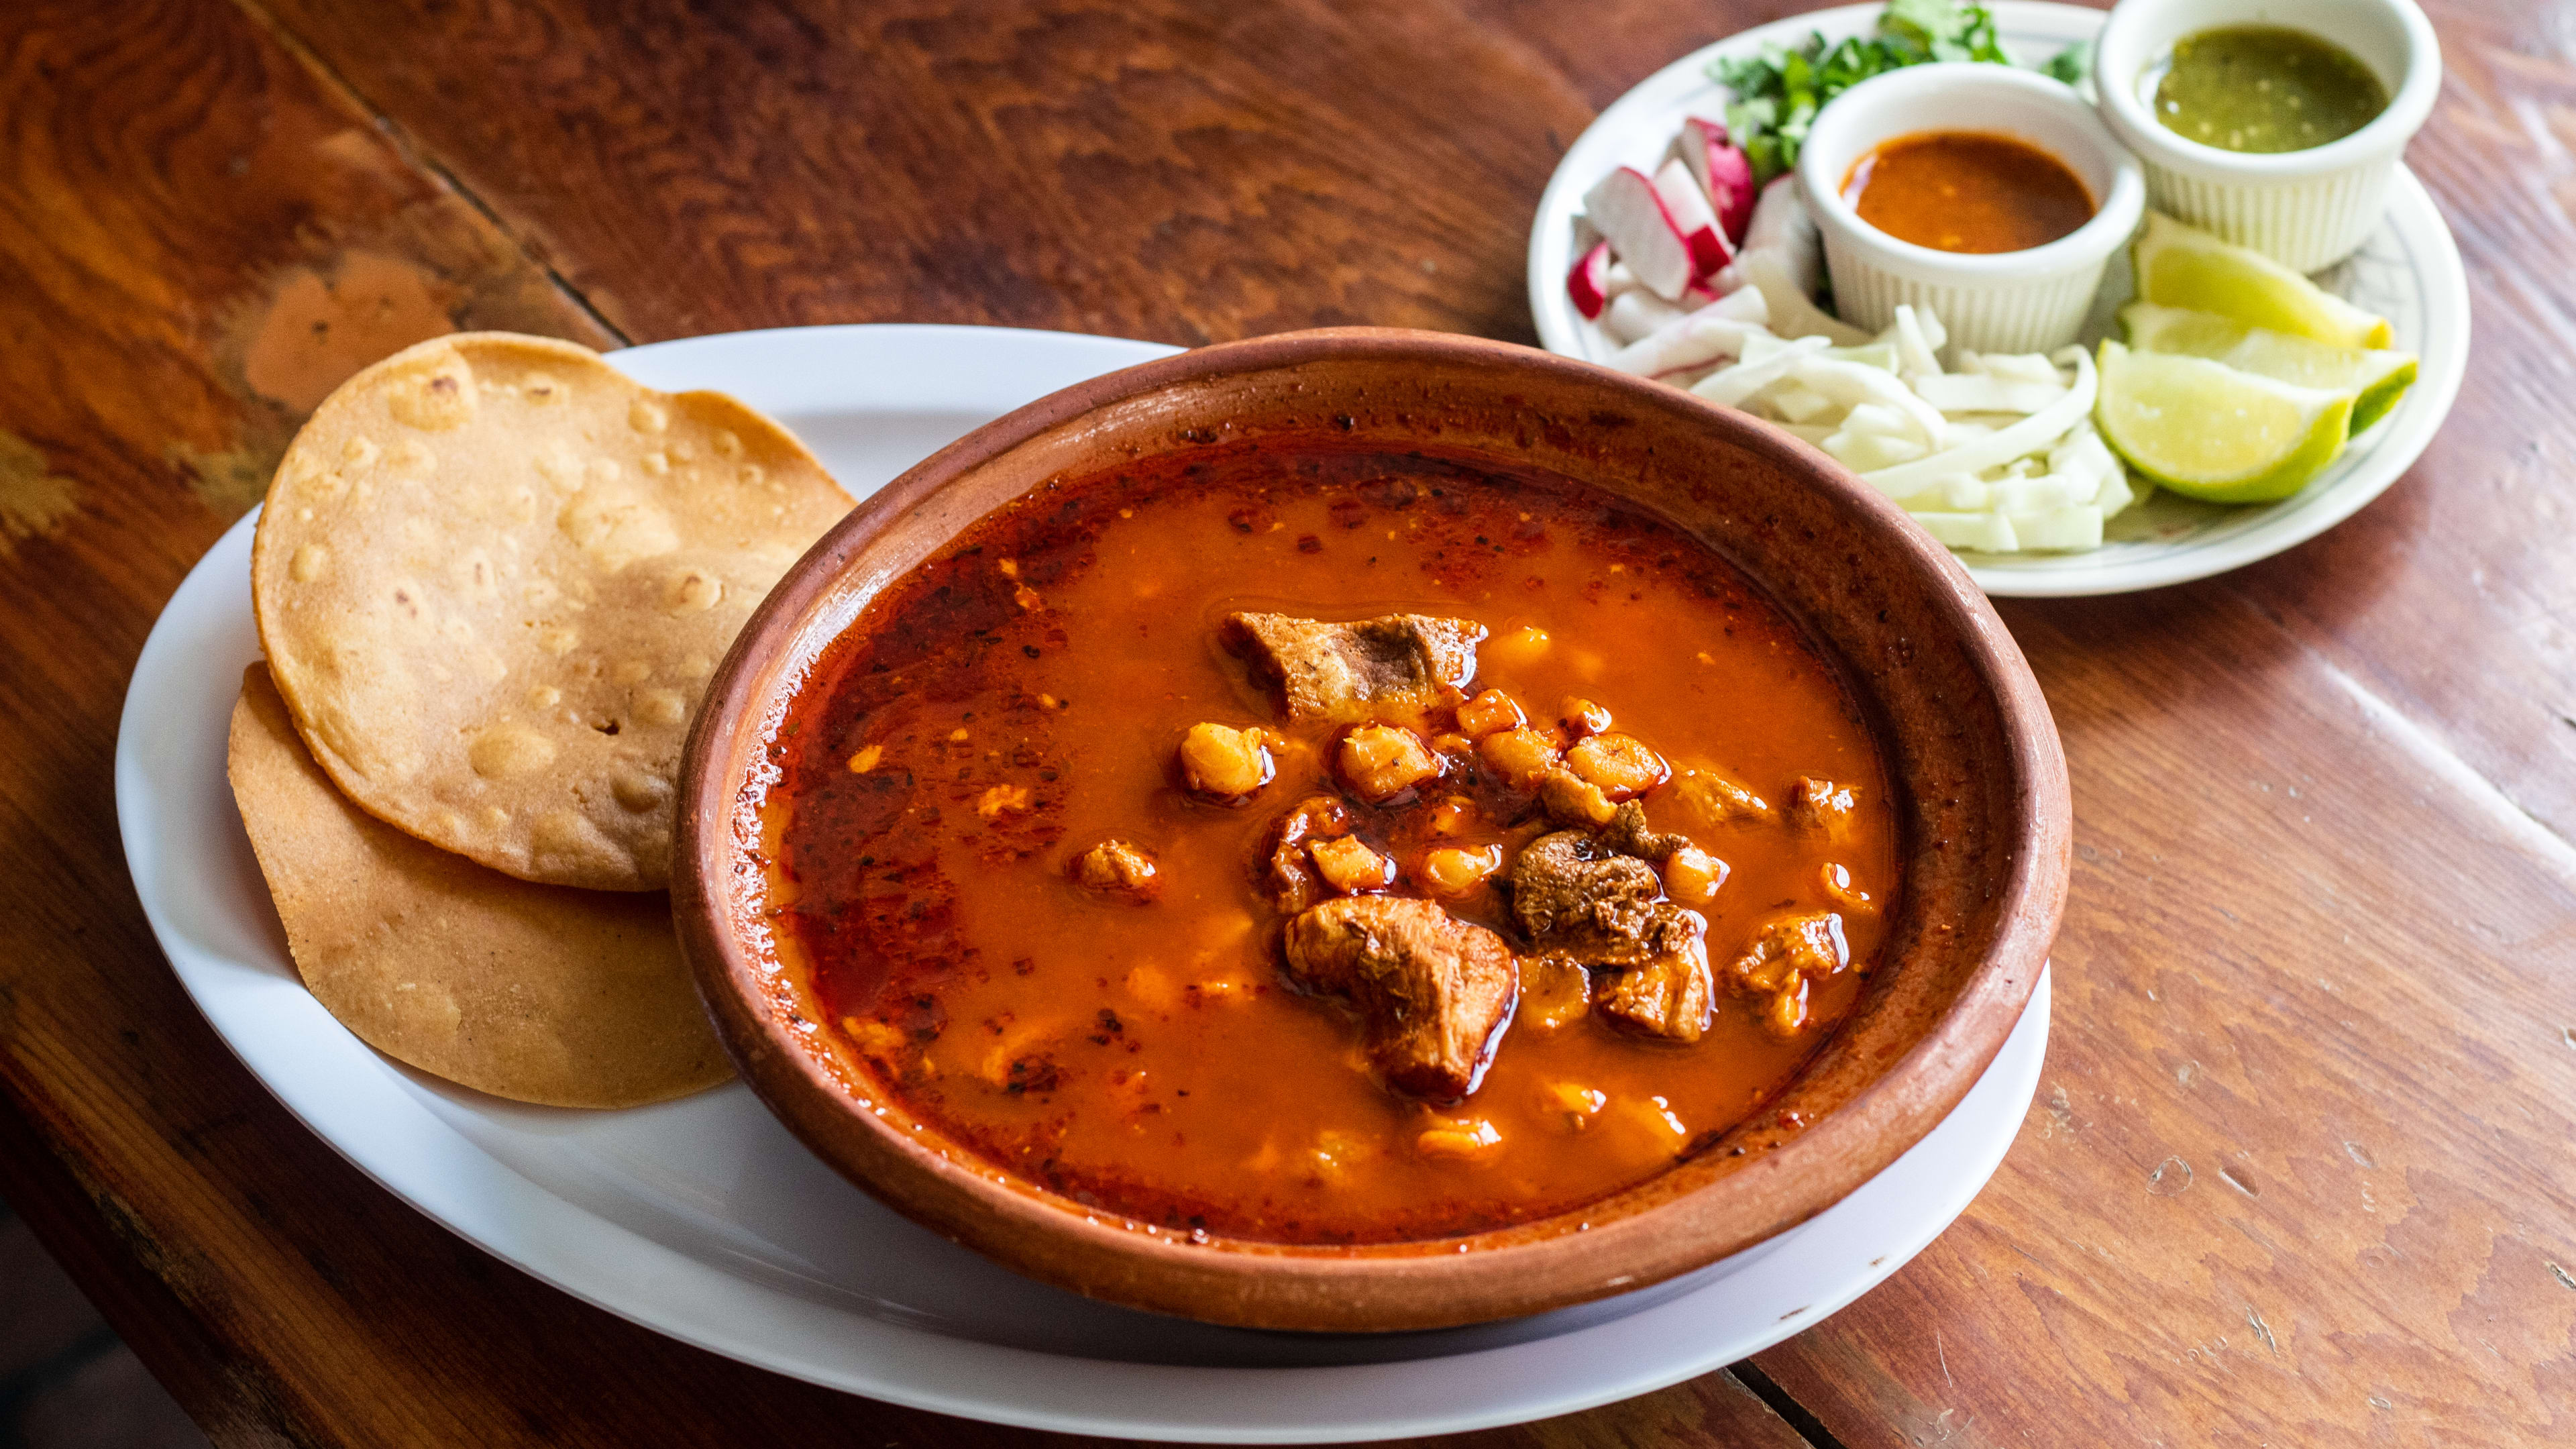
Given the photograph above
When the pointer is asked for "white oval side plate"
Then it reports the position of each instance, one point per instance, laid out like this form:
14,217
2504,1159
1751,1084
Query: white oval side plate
705,1220
2409,271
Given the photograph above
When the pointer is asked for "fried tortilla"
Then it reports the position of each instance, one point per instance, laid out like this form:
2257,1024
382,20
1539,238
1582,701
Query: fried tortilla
493,577
546,994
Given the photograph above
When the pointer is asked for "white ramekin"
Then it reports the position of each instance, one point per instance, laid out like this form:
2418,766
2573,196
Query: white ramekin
2025,301
2305,209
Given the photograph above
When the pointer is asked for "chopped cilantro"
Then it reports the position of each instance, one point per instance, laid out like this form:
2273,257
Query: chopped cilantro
2070,65
1779,92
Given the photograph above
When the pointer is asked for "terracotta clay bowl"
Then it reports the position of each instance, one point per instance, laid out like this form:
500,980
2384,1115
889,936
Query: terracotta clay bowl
1967,739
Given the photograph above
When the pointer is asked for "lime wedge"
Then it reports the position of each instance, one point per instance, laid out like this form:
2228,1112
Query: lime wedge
2180,267
2380,378
2207,430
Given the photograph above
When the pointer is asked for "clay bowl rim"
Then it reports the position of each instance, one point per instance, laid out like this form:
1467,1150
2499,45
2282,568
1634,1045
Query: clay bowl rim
1420,1284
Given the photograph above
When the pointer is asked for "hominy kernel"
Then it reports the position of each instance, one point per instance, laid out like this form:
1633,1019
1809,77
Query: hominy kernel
1656,1115
1349,866
1467,1141
1569,797
1224,763
1816,804
1787,1013
1582,717
1521,756
1623,766
1488,713
1575,1105
1692,876
1838,884
1116,866
1003,800
1383,761
1452,815
1450,871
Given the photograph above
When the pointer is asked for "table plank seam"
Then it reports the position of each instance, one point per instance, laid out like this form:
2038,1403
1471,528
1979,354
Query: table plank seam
415,153
1798,1417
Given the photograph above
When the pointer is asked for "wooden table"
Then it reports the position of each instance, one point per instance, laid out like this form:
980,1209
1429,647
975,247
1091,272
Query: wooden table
2300,1170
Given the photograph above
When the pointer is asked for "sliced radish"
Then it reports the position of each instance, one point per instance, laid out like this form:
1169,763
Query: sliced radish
1731,171
1692,145
1626,208
1688,206
1780,224
1724,173
1589,283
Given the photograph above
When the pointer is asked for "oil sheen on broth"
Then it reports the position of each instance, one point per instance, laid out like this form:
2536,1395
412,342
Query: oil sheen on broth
975,779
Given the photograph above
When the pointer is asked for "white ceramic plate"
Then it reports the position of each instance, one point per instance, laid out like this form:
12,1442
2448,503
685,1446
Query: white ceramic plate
2409,271
704,1219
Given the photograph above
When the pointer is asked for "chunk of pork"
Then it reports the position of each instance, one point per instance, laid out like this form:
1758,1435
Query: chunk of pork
1580,897
1430,987
1392,666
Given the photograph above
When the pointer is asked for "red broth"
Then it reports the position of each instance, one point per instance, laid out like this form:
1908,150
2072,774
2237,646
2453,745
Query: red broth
1149,1059
1965,191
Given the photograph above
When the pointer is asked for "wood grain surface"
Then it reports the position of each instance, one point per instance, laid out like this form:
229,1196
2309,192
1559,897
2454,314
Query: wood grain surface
2299,1170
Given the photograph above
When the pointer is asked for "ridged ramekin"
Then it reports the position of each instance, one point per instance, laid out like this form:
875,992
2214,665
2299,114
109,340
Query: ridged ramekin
2305,209
2026,301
